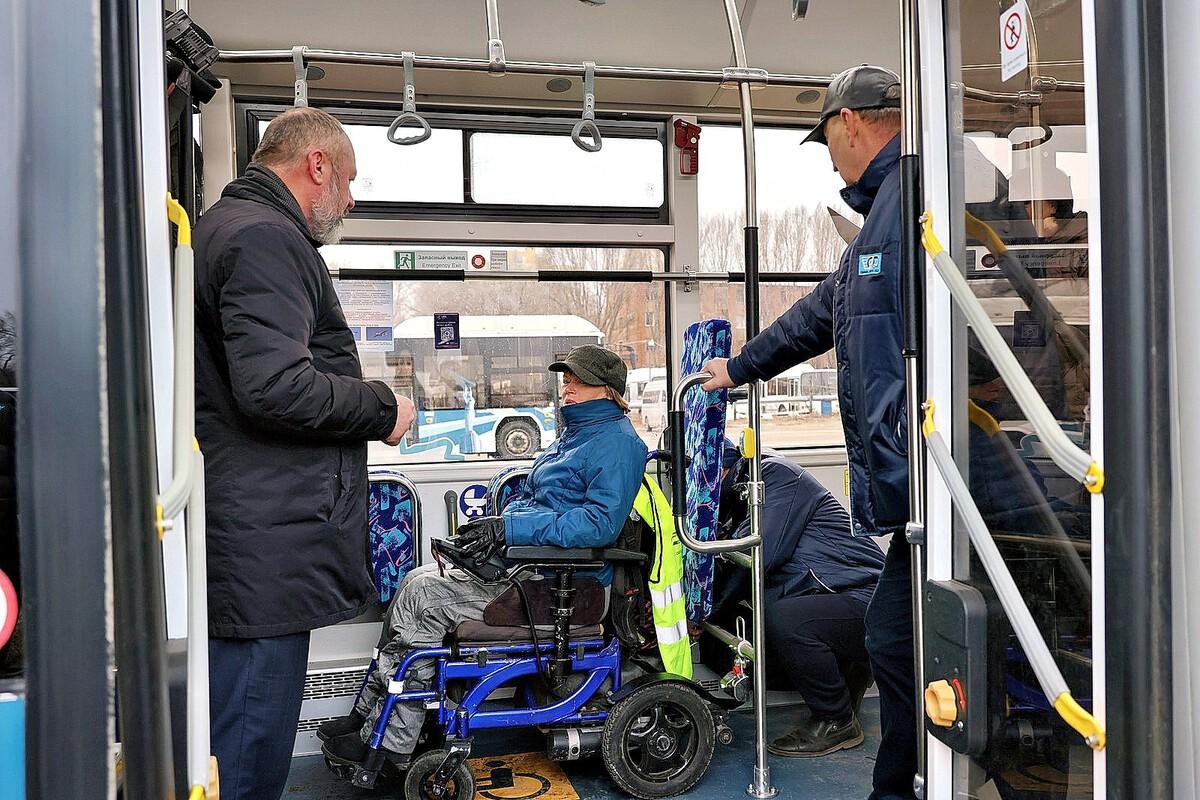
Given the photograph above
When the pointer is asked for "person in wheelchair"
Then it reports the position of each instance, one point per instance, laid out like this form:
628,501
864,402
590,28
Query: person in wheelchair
578,495
819,579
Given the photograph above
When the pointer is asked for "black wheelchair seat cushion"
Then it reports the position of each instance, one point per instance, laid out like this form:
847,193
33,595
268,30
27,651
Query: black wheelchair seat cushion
507,610
478,632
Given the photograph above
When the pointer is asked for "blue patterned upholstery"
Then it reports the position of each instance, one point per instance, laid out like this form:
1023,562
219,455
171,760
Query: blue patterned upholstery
704,434
503,487
392,534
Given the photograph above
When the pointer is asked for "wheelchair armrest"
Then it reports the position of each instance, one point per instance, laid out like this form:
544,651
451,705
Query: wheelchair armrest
564,555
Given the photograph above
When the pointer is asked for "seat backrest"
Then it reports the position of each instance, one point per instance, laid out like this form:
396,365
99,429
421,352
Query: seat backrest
704,436
393,530
503,487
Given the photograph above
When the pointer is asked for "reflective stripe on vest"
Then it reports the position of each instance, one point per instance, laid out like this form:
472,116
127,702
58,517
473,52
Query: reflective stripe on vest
666,580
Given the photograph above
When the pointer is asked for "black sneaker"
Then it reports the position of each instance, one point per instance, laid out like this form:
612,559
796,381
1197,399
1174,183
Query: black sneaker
819,737
350,723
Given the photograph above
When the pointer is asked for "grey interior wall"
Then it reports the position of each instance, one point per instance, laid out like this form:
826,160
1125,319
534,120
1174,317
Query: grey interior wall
1183,114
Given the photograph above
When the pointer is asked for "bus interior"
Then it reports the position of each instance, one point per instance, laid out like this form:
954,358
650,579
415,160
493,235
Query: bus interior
496,238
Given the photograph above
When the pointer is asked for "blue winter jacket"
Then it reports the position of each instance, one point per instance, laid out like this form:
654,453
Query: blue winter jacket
581,489
807,545
856,311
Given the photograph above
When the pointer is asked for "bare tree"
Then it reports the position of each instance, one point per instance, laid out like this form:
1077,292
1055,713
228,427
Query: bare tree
8,349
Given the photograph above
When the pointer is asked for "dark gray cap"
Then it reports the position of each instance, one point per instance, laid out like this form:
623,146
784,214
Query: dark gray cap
595,366
856,89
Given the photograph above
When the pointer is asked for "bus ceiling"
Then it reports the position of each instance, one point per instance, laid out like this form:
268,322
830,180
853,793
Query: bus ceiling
647,35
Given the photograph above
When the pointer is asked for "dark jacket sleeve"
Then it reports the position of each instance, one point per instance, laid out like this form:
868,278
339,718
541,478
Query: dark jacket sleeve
805,330
783,516
268,309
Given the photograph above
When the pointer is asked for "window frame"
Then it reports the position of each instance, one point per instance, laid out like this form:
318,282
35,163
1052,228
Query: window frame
249,113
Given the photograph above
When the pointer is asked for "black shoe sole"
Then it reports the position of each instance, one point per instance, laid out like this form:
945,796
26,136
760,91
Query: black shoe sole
844,745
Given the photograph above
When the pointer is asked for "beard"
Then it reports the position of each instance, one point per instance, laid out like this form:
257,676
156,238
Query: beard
327,215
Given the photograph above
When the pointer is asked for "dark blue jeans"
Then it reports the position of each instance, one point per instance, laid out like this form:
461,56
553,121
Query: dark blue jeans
890,645
256,687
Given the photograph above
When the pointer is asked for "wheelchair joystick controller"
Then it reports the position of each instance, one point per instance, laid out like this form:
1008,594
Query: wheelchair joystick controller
451,500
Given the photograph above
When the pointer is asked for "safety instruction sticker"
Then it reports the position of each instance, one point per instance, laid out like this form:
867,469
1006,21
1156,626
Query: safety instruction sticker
523,776
430,259
368,307
1014,40
499,259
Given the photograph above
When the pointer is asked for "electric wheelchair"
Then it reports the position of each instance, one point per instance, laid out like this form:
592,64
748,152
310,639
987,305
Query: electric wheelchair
581,663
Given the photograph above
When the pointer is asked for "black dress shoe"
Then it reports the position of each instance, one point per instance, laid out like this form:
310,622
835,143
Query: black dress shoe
819,737
350,723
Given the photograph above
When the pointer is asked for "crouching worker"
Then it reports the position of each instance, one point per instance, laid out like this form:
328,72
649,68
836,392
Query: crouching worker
819,579
578,494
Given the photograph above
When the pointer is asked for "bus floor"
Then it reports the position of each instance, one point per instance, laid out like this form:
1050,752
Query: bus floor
845,775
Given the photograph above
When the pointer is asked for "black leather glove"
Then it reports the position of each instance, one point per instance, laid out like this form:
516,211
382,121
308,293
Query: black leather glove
482,537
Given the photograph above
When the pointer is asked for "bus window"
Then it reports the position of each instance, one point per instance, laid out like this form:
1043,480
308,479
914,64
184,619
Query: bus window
491,396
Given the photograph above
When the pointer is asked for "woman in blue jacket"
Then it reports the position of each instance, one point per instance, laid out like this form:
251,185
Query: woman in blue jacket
578,494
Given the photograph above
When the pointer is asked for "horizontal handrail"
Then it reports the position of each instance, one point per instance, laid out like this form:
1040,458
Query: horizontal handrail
1051,679
1072,459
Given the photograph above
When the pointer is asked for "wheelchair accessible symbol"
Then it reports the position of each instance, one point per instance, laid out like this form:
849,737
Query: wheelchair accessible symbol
502,783
473,501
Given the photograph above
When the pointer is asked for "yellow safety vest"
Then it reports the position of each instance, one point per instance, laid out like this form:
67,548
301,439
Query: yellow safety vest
666,580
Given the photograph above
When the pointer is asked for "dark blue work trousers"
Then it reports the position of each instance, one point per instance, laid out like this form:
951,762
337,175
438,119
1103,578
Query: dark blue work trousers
890,645
256,687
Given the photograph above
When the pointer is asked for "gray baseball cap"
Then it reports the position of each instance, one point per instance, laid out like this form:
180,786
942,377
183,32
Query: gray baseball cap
857,88
595,366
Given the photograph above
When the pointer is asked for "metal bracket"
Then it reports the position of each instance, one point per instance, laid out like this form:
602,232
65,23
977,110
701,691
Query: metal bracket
745,75
754,492
690,283
587,124
915,533
300,65
496,64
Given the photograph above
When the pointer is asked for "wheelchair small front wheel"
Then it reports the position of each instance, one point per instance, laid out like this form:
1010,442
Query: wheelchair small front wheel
419,784
659,740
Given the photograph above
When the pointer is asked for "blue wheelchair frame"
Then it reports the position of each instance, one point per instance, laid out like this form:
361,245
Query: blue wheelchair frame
492,667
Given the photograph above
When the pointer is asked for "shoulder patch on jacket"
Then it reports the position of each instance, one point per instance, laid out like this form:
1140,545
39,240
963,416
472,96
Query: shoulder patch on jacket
870,263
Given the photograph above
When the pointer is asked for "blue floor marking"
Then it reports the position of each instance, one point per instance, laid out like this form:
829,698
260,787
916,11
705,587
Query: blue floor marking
844,775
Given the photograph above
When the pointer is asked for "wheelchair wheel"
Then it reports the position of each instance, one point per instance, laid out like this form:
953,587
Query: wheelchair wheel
659,740
418,784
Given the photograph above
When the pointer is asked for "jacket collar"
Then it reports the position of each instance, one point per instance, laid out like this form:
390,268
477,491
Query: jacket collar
860,196
601,410
261,185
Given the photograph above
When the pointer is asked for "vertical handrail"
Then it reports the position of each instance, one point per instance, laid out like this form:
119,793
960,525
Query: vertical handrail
912,283
1051,679
186,491
1071,458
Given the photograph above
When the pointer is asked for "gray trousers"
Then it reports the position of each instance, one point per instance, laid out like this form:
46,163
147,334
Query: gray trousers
426,607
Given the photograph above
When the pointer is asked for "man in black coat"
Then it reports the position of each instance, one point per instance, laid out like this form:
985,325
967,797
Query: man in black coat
819,580
283,418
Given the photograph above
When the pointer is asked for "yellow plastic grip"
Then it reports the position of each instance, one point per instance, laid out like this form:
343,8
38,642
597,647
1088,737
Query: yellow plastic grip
978,229
928,237
176,214
927,427
982,419
747,447
159,523
1079,719
197,793
1094,481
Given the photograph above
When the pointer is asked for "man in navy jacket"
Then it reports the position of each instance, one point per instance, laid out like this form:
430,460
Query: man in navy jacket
857,312
819,580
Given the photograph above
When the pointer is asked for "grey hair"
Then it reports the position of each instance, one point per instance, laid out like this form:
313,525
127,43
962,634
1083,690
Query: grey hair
888,118
293,133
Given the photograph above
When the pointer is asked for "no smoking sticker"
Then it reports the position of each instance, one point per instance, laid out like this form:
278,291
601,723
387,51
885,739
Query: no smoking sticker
1014,40
478,261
